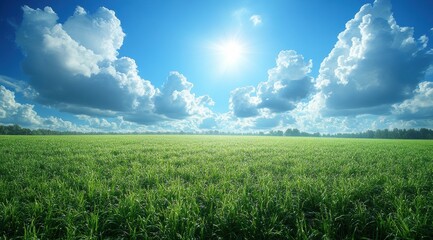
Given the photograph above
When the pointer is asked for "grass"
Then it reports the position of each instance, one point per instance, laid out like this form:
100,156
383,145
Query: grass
214,187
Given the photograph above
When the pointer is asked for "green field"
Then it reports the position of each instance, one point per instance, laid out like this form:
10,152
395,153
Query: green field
214,187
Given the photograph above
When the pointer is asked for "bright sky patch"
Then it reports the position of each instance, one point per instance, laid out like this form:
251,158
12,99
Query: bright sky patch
231,53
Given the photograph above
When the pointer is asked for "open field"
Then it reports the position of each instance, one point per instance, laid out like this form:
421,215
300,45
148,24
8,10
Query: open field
214,187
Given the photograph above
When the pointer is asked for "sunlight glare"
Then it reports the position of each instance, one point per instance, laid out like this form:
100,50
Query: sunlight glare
231,53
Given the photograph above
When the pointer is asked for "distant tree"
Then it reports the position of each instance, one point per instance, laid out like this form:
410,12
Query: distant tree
292,132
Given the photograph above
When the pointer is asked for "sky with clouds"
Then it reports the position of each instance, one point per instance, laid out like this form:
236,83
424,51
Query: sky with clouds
234,66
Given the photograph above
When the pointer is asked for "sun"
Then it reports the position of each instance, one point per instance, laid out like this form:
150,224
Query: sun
231,53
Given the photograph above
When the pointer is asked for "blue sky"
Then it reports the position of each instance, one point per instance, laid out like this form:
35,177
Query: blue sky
319,66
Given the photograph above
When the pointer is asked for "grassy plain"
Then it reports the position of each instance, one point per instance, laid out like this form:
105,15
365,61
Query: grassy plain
214,187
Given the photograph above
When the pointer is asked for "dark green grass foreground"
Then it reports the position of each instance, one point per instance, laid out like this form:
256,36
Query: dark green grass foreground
213,187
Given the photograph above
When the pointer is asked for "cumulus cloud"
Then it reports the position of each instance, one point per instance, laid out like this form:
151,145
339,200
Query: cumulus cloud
75,67
256,20
12,112
374,64
242,103
115,124
18,86
101,32
176,100
287,84
75,64
418,107
58,124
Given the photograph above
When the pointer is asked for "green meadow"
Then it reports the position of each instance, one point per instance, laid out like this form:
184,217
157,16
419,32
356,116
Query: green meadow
214,187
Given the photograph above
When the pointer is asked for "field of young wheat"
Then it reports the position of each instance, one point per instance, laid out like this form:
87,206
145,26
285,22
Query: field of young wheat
214,187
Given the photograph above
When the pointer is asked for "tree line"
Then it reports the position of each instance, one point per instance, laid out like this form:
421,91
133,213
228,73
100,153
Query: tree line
422,133
18,130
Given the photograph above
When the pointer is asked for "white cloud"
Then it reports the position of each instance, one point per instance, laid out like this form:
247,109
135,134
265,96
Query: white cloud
287,84
374,64
418,107
18,86
75,67
100,32
242,103
100,123
67,73
290,66
43,39
256,19
58,124
12,112
176,100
